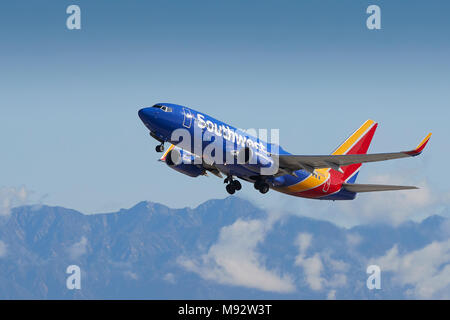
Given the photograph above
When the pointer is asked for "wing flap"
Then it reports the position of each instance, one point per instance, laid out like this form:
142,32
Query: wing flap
352,187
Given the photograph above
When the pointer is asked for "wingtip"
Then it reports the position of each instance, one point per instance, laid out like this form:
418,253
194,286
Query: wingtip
418,150
423,144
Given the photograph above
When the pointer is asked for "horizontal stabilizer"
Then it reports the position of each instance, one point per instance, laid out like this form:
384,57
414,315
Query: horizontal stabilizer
353,187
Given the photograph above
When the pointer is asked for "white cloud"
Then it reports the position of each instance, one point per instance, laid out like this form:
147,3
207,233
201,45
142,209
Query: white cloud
425,271
233,260
169,277
353,239
337,280
11,197
303,242
335,265
78,249
314,266
2,249
131,275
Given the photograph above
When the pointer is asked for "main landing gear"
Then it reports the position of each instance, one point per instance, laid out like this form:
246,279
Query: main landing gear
262,186
232,185
160,148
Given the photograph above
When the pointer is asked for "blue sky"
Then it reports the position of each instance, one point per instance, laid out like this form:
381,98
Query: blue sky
69,130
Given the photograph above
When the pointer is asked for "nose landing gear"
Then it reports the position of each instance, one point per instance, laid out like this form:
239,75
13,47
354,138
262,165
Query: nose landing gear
160,147
232,185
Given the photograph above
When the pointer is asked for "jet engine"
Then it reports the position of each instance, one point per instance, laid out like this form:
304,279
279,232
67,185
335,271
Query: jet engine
183,161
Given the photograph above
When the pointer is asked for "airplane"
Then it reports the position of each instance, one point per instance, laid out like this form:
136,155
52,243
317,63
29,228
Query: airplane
323,177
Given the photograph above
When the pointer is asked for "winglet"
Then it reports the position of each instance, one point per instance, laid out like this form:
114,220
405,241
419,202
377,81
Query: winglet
420,147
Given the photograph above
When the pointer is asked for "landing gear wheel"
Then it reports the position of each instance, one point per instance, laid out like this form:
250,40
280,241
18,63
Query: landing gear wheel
236,185
232,185
230,188
257,184
160,148
263,188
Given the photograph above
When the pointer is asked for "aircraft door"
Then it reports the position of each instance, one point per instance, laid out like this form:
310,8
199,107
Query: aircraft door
187,121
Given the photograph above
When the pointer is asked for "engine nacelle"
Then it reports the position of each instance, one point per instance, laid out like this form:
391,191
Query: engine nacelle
253,160
183,161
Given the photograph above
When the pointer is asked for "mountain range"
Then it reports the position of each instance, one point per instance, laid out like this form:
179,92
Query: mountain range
223,249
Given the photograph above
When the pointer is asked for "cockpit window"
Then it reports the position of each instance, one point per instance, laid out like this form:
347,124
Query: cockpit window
163,108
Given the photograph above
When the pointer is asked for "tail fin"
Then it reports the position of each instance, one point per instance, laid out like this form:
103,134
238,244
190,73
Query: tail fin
357,143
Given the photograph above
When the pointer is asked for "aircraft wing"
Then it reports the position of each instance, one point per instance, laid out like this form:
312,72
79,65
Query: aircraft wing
292,163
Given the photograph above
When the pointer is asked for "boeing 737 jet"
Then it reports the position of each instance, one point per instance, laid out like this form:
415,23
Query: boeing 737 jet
200,144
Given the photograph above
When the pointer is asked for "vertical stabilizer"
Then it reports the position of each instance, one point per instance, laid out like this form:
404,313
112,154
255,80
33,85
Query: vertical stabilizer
357,143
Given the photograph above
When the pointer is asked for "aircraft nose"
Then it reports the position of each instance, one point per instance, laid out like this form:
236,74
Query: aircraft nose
146,114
